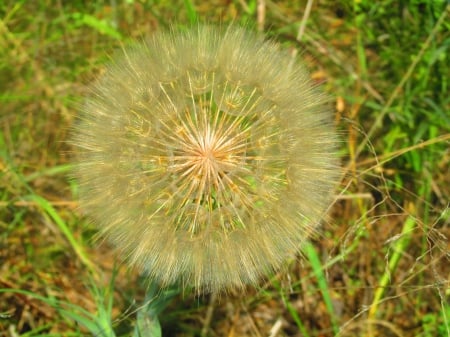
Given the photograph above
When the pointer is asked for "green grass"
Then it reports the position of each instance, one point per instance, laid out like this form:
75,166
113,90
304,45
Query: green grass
380,264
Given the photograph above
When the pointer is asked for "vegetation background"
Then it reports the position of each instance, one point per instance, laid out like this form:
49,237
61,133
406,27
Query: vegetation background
381,264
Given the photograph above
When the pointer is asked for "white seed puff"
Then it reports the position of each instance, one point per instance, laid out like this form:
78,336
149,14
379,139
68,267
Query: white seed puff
205,157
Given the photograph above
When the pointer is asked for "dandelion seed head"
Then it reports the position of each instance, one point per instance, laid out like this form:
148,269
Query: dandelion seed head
204,157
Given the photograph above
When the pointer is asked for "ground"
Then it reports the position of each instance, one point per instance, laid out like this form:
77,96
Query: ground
379,265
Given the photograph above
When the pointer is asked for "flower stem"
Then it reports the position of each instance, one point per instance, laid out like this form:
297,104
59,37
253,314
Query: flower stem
156,300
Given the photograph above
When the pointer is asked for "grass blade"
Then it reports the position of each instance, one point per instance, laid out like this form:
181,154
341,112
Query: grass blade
399,247
50,211
313,258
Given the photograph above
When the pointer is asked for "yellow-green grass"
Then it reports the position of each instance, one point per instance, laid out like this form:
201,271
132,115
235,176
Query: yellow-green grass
380,264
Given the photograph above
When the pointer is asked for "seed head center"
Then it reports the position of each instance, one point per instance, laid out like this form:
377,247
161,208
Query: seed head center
211,158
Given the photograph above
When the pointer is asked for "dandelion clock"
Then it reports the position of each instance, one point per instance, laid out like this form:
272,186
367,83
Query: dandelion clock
206,157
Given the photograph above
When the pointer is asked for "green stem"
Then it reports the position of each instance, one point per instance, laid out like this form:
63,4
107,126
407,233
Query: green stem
398,248
156,300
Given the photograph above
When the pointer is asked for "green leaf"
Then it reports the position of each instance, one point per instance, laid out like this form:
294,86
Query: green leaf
191,11
102,26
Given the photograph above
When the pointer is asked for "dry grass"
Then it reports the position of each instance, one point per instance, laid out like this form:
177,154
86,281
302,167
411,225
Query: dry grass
381,265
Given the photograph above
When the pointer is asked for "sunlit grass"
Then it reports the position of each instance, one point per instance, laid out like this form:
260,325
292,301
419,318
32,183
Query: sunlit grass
381,263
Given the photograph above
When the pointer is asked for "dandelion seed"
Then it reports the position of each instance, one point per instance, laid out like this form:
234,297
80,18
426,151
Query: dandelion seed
204,158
